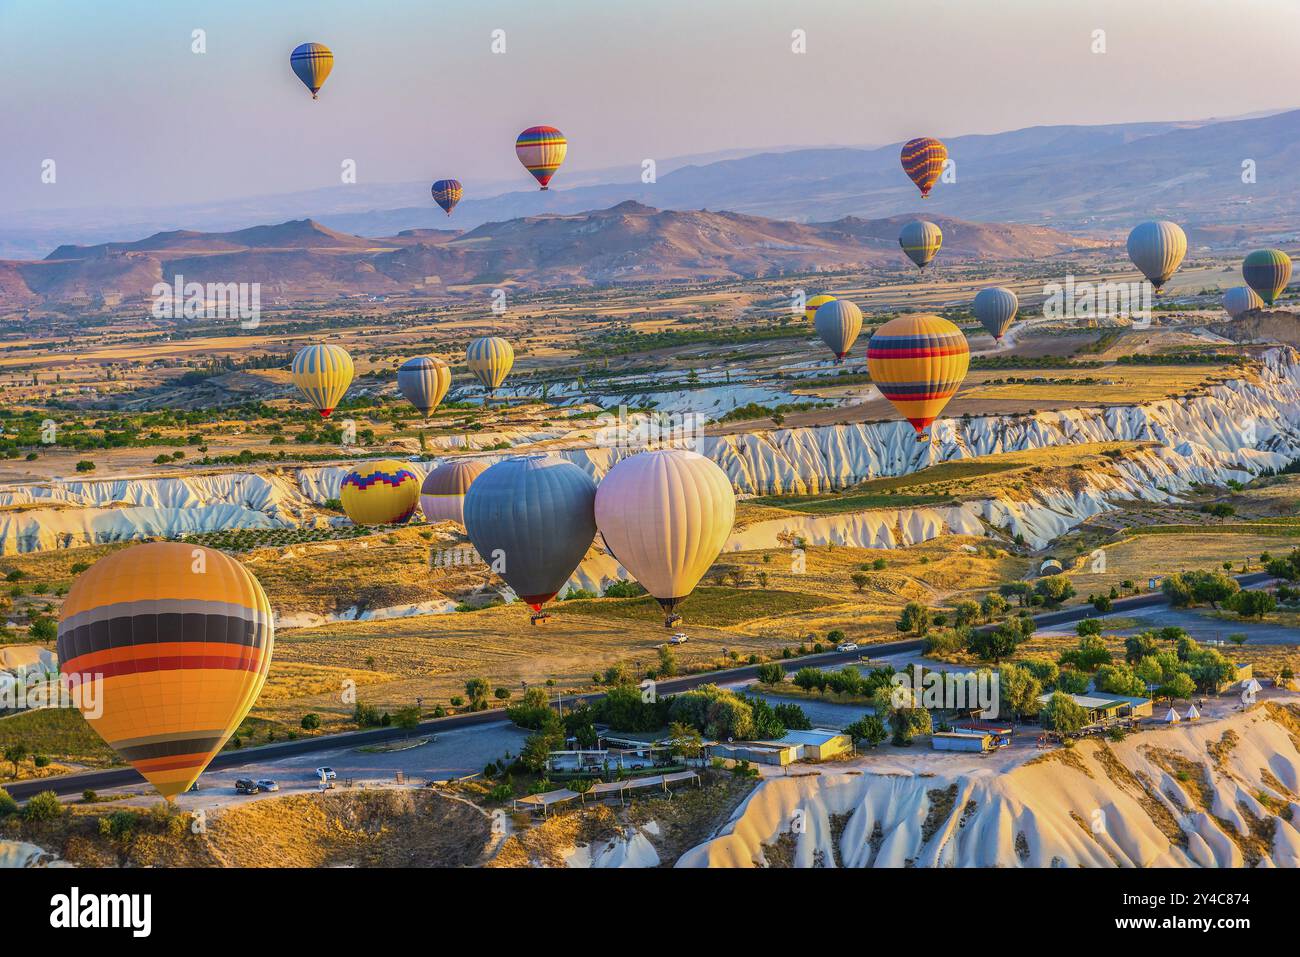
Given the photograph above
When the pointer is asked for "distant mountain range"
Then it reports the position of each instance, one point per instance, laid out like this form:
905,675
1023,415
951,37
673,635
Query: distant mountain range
303,260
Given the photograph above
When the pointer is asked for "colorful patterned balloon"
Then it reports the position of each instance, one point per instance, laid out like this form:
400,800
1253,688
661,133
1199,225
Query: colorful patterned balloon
447,193
383,492
923,160
918,362
166,647
312,63
813,304
541,149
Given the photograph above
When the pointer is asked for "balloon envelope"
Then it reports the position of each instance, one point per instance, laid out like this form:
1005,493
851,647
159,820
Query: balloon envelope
920,241
541,149
838,322
490,359
424,380
1241,299
442,496
1157,249
383,492
312,63
923,160
995,308
815,303
532,518
918,362
176,640
1267,271
665,515
322,374
447,193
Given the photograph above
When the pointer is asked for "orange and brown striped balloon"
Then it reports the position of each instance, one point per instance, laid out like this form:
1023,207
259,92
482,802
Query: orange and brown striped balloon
171,644
923,160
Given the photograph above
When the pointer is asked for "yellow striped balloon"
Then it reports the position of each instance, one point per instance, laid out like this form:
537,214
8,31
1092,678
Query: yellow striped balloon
322,374
311,63
811,306
541,149
166,648
490,359
383,492
920,241
918,362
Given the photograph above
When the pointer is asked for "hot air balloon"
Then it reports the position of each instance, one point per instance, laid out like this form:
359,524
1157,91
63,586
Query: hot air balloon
312,63
813,304
838,322
447,193
175,641
920,241
923,160
1267,271
490,359
995,308
665,515
918,362
1241,299
531,518
322,374
1157,248
383,492
424,381
442,496
541,149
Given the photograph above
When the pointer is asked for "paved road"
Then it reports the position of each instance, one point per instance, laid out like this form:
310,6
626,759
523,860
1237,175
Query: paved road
255,757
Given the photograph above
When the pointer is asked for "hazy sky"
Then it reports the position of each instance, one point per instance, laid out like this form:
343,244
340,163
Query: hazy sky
111,91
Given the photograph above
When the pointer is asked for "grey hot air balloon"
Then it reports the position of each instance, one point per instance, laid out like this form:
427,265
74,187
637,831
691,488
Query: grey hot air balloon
838,322
1157,249
920,240
424,381
532,518
665,515
995,308
1241,299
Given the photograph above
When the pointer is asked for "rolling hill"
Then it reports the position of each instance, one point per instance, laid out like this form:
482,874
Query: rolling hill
303,260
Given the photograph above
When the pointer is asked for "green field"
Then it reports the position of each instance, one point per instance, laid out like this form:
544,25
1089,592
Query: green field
710,606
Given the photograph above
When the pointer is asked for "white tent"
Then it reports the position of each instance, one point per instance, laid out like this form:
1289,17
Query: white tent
1192,713
1172,716
1251,686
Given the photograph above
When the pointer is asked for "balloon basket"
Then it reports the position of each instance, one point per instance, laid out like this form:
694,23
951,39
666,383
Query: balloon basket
540,618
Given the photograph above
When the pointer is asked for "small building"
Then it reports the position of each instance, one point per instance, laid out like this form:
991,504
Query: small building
816,744
1106,707
755,753
961,741
1050,566
999,733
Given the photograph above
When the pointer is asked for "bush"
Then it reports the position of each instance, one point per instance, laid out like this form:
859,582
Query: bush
85,466
771,674
310,721
43,807
7,804
868,728
1061,713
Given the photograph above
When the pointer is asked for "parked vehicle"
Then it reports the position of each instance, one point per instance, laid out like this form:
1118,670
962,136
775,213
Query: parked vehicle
266,784
326,773
847,646
246,786
679,639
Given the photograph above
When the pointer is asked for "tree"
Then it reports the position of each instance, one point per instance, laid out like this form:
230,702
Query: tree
908,722
667,662
717,713
1138,647
1177,590
477,689
1252,604
966,613
539,745
1177,687
792,717
1119,679
85,465
43,807
1090,654
1018,590
1018,691
771,673
1073,682
915,619
407,718
43,628
685,741
868,728
15,754
1062,713
310,721
1212,587
859,580
1089,626
1054,589
994,645
993,606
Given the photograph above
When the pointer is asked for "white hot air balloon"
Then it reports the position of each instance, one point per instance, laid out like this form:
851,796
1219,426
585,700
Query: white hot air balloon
665,515
1157,248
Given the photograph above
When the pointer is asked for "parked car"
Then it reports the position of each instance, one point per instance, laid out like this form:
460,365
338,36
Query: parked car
326,773
246,786
266,784
679,639
847,646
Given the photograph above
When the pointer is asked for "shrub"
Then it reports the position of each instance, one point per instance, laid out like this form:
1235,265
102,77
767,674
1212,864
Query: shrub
7,804
771,674
43,807
310,721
